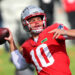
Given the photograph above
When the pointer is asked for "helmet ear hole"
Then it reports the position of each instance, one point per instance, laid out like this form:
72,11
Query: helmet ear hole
26,28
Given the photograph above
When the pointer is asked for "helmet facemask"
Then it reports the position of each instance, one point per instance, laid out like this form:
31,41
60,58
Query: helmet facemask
38,30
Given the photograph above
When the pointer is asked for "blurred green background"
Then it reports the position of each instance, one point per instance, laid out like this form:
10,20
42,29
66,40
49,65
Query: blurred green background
7,68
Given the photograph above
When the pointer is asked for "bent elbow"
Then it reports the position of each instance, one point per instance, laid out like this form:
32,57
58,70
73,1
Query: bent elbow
18,67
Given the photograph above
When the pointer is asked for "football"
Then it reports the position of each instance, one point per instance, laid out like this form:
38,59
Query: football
4,32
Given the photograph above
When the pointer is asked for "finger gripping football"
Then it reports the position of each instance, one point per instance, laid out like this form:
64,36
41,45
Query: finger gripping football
4,32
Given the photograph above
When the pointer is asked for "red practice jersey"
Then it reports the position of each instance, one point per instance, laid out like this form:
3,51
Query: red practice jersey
69,5
48,55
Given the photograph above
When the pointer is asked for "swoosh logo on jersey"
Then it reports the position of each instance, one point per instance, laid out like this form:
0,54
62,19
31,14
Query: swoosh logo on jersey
44,40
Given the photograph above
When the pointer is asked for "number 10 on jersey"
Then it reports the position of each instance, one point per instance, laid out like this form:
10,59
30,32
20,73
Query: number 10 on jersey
42,60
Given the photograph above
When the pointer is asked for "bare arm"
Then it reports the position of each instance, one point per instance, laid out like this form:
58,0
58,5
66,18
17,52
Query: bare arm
16,56
58,32
71,32
11,42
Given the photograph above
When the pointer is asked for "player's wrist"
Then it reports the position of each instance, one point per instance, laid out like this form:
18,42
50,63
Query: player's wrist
11,42
65,32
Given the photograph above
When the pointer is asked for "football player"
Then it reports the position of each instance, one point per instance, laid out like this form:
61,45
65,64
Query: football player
48,55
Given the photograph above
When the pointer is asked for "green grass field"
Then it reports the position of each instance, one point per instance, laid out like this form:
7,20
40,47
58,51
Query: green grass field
7,68
71,53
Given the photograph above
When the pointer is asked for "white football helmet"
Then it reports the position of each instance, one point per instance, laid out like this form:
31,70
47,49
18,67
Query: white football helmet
29,12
